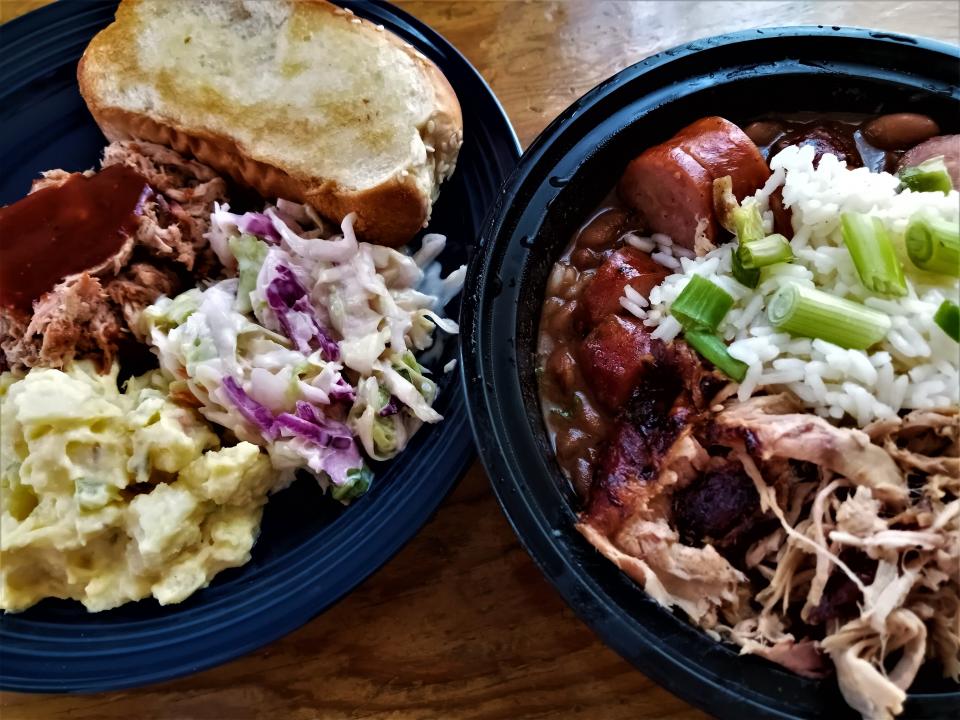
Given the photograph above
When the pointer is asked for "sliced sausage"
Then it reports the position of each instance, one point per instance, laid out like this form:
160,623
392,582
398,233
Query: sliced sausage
614,357
671,184
831,138
602,295
672,191
946,145
724,149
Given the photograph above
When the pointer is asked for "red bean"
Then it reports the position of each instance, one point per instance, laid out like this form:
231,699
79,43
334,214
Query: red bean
561,277
563,368
550,308
604,230
581,473
562,321
899,131
587,417
585,258
570,444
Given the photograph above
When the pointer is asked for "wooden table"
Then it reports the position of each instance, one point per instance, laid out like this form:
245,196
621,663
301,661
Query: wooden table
461,624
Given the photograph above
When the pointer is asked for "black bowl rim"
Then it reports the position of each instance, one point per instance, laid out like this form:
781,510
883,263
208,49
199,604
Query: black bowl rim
658,663
442,465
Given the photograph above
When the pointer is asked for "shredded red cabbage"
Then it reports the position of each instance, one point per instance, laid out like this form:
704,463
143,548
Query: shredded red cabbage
309,424
391,408
342,390
258,224
288,298
255,413
336,452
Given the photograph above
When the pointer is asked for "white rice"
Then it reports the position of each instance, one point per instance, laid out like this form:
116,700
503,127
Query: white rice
640,243
665,259
915,366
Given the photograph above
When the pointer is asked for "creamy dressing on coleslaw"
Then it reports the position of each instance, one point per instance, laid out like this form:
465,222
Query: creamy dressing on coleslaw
310,352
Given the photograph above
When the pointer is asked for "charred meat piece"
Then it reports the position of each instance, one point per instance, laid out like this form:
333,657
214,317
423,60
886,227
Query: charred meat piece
626,266
646,431
840,595
717,508
665,397
671,184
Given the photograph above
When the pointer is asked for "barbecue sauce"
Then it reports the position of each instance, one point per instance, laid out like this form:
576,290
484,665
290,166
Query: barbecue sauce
59,231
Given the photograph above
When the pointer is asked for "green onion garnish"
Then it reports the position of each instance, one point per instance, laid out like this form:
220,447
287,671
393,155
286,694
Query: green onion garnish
773,249
747,221
747,278
929,176
933,244
812,313
948,318
873,255
715,350
701,304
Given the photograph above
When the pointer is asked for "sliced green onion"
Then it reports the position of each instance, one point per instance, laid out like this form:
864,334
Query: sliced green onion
948,318
812,313
929,176
701,304
873,255
773,249
713,348
747,278
933,244
747,221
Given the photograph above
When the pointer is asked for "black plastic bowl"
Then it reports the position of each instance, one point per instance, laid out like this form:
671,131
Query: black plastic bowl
561,178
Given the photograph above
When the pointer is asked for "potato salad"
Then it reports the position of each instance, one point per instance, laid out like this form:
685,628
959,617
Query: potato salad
112,496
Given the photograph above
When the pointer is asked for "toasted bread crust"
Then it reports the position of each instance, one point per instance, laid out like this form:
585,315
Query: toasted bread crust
390,213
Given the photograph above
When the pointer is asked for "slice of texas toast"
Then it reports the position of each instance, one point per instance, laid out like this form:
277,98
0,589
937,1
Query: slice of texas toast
297,98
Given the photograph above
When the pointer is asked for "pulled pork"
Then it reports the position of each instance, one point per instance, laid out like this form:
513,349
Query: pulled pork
805,543
93,313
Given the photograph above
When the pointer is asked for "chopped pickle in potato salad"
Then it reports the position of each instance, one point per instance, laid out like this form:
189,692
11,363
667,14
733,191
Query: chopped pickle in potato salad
108,496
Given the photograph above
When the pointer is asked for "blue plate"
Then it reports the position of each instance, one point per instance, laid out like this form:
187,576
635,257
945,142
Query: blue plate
311,551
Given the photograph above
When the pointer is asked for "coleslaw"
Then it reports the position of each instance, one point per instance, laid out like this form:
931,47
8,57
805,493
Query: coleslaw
310,349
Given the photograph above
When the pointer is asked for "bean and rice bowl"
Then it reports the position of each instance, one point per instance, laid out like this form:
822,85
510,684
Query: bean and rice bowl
748,367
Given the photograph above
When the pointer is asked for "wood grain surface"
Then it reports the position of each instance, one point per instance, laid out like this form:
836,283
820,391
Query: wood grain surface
461,625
